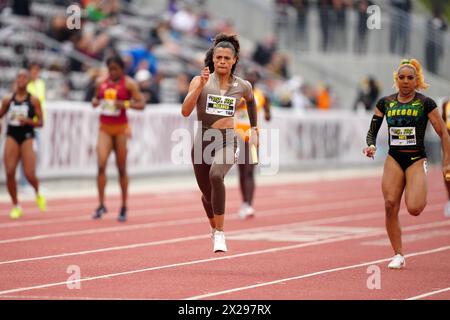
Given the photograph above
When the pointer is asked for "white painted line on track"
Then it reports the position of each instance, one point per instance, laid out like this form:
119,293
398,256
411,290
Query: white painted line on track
309,275
429,294
245,254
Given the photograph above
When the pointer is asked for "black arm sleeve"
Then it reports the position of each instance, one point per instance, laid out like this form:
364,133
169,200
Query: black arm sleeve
375,126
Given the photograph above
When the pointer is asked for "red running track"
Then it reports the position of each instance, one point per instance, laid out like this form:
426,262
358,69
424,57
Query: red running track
320,240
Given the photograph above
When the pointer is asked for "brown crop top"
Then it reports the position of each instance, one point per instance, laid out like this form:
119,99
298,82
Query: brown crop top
212,105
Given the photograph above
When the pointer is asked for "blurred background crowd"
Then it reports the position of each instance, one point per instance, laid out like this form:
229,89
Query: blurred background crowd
163,43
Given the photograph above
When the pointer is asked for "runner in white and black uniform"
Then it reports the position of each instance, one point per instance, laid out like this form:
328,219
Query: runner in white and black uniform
23,113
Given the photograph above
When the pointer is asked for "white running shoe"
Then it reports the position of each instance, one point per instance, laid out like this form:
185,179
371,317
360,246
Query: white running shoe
242,211
397,262
219,242
447,210
246,211
250,212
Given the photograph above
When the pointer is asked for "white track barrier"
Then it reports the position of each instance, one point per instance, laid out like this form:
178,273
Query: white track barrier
311,139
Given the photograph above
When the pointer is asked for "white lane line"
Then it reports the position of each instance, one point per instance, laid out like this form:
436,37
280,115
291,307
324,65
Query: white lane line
309,275
428,294
263,213
352,217
135,212
177,209
11,297
194,262
142,201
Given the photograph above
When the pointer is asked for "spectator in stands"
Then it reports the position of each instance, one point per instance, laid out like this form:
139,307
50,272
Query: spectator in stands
279,65
203,28
184,21
225,26
21,7
282,15
143,79
140,55
58,29
172,7
182,86
3,4
264,51
400,26
434,45
148,85
340,8
95,74
91,43
21,57
368,94
324,22
324,97
300,99
302,8
360,45
102,10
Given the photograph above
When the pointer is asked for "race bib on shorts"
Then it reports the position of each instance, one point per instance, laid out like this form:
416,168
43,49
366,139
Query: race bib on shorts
15,113
220,105
403,136
108,108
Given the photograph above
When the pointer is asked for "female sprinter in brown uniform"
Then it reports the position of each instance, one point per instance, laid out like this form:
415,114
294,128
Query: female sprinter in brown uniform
114,95
407,113
216,96
23,115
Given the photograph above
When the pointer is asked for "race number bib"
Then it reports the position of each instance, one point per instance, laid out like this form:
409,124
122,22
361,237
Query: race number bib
15,113
108,108
220,105
405,136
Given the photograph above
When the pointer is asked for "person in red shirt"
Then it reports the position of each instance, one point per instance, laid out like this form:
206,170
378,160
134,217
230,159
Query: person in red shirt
114,95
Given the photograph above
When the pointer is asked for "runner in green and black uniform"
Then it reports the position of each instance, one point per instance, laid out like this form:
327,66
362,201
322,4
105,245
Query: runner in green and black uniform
407,113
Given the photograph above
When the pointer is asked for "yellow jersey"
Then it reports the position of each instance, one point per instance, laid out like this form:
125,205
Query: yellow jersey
446,114
242,121
37,89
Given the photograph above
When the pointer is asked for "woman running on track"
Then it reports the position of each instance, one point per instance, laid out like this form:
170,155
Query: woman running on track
215,96
23,112
114,96
407,113
246,167
446,117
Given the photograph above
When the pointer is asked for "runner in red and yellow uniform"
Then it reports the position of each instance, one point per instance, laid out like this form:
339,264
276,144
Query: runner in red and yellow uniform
114,96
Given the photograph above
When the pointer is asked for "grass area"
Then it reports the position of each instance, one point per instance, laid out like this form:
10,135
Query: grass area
446,4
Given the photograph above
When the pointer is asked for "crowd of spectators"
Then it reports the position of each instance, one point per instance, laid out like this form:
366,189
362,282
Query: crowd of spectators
103,33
